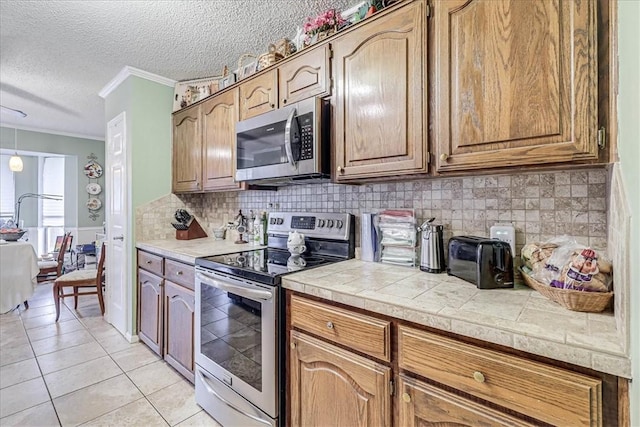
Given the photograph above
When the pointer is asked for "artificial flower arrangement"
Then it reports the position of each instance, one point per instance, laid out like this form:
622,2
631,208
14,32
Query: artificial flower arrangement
323,24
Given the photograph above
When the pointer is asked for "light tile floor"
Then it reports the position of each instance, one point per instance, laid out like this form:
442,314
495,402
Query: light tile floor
81,371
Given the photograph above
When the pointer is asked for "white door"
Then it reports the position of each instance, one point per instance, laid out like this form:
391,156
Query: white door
118,285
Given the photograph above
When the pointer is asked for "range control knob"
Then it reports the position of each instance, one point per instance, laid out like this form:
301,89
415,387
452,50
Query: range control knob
280,221
320,223
339,224
330,223
272,220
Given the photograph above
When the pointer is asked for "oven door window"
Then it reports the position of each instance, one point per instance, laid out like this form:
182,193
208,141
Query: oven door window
231,334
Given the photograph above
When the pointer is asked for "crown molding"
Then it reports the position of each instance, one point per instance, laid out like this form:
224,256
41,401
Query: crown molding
52,132
128,71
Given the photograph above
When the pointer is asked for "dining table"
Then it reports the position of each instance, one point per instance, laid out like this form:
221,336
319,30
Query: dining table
18,274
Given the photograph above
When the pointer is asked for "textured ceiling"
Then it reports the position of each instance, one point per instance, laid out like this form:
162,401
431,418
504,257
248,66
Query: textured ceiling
55,56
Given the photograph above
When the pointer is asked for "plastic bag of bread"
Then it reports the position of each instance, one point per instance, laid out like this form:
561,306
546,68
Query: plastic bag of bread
563,263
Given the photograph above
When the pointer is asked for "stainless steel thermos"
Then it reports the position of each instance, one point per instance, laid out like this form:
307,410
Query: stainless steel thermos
432,253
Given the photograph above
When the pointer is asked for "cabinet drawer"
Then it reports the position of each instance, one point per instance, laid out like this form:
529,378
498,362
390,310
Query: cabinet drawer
150,262
544,392
180,273
359,332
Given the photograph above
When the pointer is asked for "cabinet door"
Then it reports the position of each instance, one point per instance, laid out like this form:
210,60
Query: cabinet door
219,117
259,95
187,151
422,404
379,100
150,310
305,76
515,82
333,387
179,318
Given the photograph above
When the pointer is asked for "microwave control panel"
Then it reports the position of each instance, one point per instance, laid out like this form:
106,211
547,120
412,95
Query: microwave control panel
306,136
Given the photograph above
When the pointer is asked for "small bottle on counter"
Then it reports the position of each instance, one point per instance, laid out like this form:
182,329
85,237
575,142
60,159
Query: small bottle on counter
263,226
257,230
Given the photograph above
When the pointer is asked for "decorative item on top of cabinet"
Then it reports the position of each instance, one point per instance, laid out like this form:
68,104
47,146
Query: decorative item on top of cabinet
512,90
187,151
380,126
305,76
259,95
219,117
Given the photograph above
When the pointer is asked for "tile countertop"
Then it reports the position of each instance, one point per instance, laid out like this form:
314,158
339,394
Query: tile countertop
519,318
188,250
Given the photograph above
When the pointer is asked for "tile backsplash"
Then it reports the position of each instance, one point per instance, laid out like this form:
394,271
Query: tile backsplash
541,205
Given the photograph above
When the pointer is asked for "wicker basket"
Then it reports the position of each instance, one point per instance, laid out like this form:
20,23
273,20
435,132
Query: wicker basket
592,302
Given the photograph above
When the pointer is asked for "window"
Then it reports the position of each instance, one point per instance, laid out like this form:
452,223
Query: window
7,189
53,183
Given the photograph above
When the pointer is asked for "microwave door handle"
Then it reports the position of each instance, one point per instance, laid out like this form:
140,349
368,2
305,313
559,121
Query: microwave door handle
255,294
287,138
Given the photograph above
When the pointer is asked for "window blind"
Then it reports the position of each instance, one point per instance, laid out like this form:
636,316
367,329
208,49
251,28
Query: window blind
53,183
7,189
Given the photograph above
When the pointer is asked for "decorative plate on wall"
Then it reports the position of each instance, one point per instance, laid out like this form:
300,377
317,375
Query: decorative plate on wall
94,204
93,169
94,188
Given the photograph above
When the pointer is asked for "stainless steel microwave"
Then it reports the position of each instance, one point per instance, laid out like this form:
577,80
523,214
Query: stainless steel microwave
285,146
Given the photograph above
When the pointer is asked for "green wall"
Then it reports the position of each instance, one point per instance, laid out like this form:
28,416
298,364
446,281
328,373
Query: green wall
75,151
148,107
629,151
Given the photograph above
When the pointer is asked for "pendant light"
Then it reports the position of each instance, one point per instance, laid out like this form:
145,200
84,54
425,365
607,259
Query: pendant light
15,162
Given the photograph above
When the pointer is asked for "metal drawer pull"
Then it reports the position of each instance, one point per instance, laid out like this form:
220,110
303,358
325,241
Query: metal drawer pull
179,273
406,397
149,262
329,325
292,345
478,376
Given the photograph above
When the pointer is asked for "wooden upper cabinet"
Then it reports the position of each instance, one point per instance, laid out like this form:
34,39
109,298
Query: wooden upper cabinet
259,95
330,386
305,76
380,125
187,151
219,117
515,82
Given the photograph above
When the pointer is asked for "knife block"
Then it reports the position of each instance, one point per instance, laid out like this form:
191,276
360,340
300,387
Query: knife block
193,231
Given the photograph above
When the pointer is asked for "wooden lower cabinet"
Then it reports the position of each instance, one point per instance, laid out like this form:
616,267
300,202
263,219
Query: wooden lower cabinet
179,316
166,310
150,309
334,387
440,380
422,404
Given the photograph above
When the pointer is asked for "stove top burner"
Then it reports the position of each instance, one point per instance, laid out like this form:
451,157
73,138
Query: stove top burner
264,265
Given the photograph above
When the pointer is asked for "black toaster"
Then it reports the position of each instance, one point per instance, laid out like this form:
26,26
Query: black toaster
485,262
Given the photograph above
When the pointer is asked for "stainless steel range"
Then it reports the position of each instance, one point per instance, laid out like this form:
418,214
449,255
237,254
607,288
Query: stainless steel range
240,317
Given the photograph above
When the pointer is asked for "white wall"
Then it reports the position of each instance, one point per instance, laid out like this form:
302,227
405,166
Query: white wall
629,151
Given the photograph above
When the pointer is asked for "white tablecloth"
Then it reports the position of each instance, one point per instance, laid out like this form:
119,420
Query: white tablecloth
18,274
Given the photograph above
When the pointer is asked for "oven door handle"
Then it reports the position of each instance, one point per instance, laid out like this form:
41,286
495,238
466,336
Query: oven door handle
287,138
242,291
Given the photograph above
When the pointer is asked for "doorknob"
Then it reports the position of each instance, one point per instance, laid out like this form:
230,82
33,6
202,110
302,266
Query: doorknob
121,238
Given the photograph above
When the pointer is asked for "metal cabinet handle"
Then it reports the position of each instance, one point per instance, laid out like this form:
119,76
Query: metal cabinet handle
478,376
330,325
406,397
444,157
292,345
340,169
179,273
149,262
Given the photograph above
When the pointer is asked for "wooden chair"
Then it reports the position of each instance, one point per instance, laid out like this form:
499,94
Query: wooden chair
80,280
52,269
